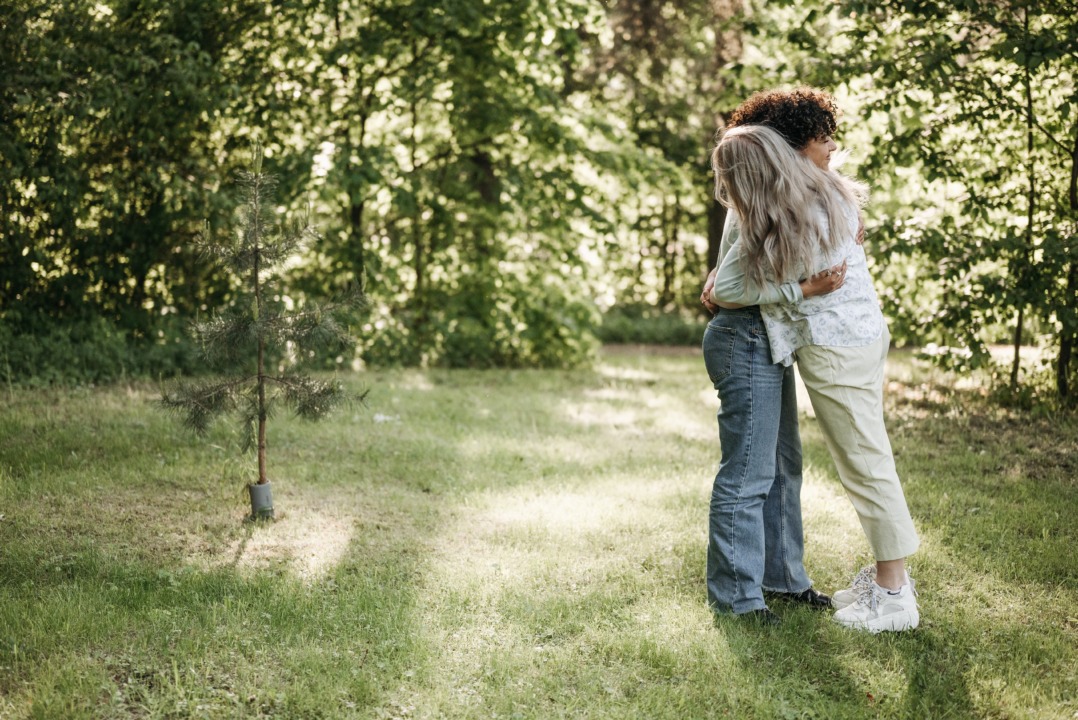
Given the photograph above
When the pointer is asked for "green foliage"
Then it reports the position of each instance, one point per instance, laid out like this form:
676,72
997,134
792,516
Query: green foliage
107,163
493,174
486,322
977,99
656,69
641,324
462,183
93,351
485,140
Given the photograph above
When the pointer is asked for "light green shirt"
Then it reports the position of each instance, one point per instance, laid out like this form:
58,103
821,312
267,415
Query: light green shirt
731,285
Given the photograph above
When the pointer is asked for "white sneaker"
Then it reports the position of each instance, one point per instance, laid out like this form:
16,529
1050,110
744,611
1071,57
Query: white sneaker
848,596
864,578
878,609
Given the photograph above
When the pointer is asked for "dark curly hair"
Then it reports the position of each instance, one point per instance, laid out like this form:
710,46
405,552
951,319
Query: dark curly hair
798,115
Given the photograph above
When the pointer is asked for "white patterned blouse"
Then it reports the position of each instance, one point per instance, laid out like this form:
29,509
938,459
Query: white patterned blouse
847,317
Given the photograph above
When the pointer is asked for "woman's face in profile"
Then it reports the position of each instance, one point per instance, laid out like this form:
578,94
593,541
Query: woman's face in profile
819,151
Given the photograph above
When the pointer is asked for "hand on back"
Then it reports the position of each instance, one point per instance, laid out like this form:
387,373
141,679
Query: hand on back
824,282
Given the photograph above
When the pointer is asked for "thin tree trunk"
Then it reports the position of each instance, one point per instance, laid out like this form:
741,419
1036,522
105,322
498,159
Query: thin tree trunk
262,479
672,237
1023,271
642,245
1066,340
358,201
1017,347
419,258
1069,335
716,219
356,196
666,259
261,381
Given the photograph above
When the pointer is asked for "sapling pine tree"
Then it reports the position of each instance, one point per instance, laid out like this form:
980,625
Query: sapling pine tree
260,333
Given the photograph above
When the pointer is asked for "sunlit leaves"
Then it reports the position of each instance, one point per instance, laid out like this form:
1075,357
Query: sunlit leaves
978,100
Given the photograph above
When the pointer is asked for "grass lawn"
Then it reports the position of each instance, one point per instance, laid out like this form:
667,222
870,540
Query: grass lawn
512,544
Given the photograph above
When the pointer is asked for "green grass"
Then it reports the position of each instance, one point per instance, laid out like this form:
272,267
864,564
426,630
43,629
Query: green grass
506,544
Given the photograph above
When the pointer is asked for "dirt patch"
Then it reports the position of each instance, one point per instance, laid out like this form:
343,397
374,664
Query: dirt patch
308,538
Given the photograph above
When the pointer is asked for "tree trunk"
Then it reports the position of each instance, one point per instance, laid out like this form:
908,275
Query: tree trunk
667,249
356,194
262,479
1023,270
1068,336
1067,340
716,219
419,258
261,379
1017,347
357,204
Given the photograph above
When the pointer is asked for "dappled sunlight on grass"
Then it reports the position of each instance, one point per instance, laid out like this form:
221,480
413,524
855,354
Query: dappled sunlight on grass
679,626
514,544
571,513
550,534
603,414
308,540
408,380
597,579
519,564
590,569
708,398
636,410
1017,626
635,375
556,453
675,417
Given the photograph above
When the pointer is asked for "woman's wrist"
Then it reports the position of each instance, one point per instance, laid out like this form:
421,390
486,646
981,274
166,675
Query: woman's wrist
824,282
809,288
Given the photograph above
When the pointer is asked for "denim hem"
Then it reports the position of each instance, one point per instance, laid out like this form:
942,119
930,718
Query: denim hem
740,608
790,592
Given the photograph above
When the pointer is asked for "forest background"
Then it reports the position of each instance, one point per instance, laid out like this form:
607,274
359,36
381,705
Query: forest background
510,182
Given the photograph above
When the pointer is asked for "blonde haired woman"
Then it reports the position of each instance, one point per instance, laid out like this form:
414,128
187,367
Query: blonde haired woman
791,217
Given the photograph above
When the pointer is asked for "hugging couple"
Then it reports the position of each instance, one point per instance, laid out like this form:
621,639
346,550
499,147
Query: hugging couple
792,284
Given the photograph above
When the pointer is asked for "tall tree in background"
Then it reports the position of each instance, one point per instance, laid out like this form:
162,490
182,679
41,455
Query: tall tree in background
457,162
494,174
979,100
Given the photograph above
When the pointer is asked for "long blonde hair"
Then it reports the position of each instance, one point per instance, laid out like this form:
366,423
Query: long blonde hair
777,193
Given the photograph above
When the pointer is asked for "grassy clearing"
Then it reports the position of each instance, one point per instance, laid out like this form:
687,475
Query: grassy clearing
506,544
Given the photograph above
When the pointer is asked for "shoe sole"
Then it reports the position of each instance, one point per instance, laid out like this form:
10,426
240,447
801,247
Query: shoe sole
895,622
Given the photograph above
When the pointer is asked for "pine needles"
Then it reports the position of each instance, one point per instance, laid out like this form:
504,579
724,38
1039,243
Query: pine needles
257,330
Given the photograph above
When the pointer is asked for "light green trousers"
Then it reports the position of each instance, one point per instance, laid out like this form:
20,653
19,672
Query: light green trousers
845,385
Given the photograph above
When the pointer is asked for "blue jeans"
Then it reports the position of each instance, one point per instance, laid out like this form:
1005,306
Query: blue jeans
755,536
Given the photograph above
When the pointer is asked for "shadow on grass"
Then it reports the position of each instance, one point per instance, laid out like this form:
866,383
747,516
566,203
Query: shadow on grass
103,612
85,635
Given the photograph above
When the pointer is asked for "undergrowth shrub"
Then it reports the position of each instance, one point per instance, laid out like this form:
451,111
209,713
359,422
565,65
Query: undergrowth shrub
93,351
639,324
